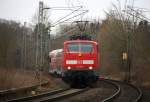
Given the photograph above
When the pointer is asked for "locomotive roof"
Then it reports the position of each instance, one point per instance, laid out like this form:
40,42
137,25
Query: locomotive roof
85,41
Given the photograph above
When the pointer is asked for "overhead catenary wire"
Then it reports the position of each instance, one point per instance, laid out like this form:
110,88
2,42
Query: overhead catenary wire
71,17
65,8
67,15
76,12
137,14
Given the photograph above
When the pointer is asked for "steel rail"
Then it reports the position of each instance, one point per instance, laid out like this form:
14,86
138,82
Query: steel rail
50,96
120,84
37,96
14,90
65,93
138,90
115,95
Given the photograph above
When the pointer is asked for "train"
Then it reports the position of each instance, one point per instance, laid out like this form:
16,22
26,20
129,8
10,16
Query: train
77,63
55,62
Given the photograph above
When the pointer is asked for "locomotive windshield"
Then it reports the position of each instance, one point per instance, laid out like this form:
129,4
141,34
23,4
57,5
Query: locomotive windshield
80,47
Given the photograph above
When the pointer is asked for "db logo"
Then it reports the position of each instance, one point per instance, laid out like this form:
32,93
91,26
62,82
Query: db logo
80,61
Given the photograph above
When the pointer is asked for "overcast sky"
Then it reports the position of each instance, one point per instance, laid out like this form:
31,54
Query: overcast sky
23,10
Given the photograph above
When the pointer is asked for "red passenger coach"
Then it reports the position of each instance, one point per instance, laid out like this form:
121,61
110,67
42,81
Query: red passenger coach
55,61
80,62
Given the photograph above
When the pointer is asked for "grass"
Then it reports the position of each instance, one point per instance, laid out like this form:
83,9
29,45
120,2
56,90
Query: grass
13,78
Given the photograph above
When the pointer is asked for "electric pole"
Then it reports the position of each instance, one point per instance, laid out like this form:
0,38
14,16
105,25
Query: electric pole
39,36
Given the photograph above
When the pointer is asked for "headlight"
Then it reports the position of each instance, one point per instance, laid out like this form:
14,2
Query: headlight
69,67
90,67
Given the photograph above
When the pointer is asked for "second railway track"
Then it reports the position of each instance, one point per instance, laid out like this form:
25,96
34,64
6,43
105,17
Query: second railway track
126,93
15,92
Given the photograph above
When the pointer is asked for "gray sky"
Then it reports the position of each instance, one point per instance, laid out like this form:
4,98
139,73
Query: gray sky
23,10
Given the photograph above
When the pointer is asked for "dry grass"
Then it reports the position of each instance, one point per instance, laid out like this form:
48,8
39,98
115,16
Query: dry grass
12,78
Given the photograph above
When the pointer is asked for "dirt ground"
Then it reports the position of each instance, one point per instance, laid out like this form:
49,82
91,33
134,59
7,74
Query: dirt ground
146,94
14,78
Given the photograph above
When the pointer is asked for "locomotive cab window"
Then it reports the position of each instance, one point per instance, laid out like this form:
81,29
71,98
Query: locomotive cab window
80,47
73,48
86,48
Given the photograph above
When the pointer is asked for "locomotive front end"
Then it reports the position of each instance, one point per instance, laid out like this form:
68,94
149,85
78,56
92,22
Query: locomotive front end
80,64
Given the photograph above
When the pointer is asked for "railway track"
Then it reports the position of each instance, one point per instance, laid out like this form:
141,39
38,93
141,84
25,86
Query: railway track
5,94
125,93
50,96
115,94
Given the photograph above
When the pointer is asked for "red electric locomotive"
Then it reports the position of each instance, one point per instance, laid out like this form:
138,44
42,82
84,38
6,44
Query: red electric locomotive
80,61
